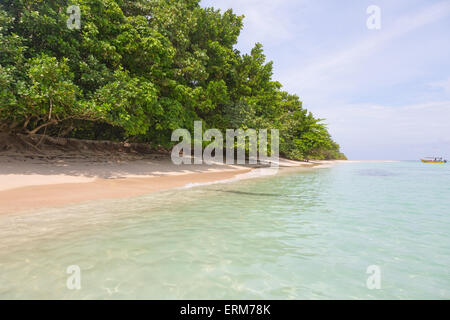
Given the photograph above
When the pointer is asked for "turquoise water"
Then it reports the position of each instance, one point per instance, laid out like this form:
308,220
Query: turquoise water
297,235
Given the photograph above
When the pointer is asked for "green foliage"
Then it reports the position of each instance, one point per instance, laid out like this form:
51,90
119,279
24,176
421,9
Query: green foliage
128,102
7,97
140,69
51,91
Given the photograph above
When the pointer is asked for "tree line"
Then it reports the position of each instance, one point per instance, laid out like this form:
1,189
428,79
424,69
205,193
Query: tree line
137,70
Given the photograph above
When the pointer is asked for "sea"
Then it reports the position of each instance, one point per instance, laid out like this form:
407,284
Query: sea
355,230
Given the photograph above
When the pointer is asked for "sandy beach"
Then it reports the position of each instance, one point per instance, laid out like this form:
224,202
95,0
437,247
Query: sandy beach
33,182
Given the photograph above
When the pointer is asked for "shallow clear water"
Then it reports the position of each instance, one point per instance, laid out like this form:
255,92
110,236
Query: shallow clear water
297,235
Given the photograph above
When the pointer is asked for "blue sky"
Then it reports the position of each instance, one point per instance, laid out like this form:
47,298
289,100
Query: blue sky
385,93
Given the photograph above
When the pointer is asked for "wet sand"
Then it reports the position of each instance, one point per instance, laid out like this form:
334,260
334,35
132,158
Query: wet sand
28,183
51,195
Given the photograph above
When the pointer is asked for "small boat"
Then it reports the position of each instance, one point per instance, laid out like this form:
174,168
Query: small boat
433,160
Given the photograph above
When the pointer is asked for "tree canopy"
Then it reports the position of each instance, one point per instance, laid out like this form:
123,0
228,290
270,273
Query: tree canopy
139,69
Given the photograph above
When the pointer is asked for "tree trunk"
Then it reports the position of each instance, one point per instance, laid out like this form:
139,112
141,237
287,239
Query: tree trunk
50,111
43,126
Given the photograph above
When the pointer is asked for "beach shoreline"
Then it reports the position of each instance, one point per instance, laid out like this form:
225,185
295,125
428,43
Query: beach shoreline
31,183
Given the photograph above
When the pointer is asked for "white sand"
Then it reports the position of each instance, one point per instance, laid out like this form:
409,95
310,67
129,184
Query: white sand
29,183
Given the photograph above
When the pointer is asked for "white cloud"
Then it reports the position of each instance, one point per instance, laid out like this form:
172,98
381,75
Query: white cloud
408,131
266,21
331,66
443,84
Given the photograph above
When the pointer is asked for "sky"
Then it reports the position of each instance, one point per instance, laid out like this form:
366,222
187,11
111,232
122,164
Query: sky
385,93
